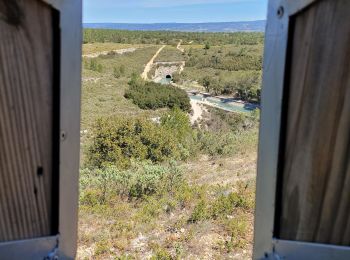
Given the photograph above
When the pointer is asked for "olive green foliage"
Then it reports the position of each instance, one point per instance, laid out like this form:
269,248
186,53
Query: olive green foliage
130,184
162,254
217,144
228,70
142,179
223,205
103,94
246,86
92,64
119,71
176,77
150,95
227,133
118,140
178,123
171,38
229,61
220,121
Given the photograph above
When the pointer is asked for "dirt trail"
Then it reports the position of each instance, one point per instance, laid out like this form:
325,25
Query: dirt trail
148,67
197,111
183,63
119,51
182,67
179,46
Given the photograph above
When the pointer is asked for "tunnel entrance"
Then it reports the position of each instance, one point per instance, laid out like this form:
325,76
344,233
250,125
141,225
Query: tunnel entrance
168,76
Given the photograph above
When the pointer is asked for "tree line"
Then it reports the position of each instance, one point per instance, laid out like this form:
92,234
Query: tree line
171,38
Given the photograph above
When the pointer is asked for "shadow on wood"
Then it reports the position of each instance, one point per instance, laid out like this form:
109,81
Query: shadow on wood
26,119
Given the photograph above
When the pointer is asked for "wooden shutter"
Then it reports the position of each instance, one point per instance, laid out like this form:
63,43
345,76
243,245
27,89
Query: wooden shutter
27,99
315,176
40,77
303,182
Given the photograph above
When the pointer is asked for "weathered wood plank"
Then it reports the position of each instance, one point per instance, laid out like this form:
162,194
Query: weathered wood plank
26,119
315,200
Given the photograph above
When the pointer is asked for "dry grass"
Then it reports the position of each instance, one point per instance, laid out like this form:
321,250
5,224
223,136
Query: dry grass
159,226
90,48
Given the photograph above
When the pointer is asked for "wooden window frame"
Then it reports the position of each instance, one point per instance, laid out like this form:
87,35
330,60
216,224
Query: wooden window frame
62,245
266,246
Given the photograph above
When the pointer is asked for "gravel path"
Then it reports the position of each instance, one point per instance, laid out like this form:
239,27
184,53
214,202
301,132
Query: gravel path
148,67
197,111
179,46
120,51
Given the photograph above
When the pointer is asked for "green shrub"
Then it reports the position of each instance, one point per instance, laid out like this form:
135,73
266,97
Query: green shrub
225,205
219,143
219,120
142,179
92,64
117,141
178,123
119,71
146,180
244,62
150,95
228,133
167,37
162,254
102,247
238,228
246,86
116,73
200,212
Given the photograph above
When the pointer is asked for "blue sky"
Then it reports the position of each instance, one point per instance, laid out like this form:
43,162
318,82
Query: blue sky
160,11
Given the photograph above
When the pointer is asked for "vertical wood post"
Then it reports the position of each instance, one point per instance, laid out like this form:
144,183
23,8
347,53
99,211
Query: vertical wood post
314,201
27,97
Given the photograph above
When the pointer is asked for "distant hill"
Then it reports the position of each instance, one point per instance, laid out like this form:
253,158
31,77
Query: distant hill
250,26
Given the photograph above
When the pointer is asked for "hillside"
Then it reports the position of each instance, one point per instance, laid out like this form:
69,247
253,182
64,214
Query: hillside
248,26
165,173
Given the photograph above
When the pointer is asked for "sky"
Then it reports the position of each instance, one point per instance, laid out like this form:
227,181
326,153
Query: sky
180,11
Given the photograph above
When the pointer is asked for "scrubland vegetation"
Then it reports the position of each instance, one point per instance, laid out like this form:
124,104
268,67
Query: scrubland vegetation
150,95
171,38
153,185
225,70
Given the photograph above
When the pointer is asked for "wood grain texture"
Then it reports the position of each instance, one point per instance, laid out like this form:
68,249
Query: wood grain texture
26,98
315,199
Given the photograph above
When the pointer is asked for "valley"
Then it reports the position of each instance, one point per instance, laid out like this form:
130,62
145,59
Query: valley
169,142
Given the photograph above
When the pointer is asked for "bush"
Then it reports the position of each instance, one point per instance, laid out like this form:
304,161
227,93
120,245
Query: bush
219,120
167,37
118,141
230,63
224,205
178,123
93,65
162,254
199,213
150,95
142,179
118,71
